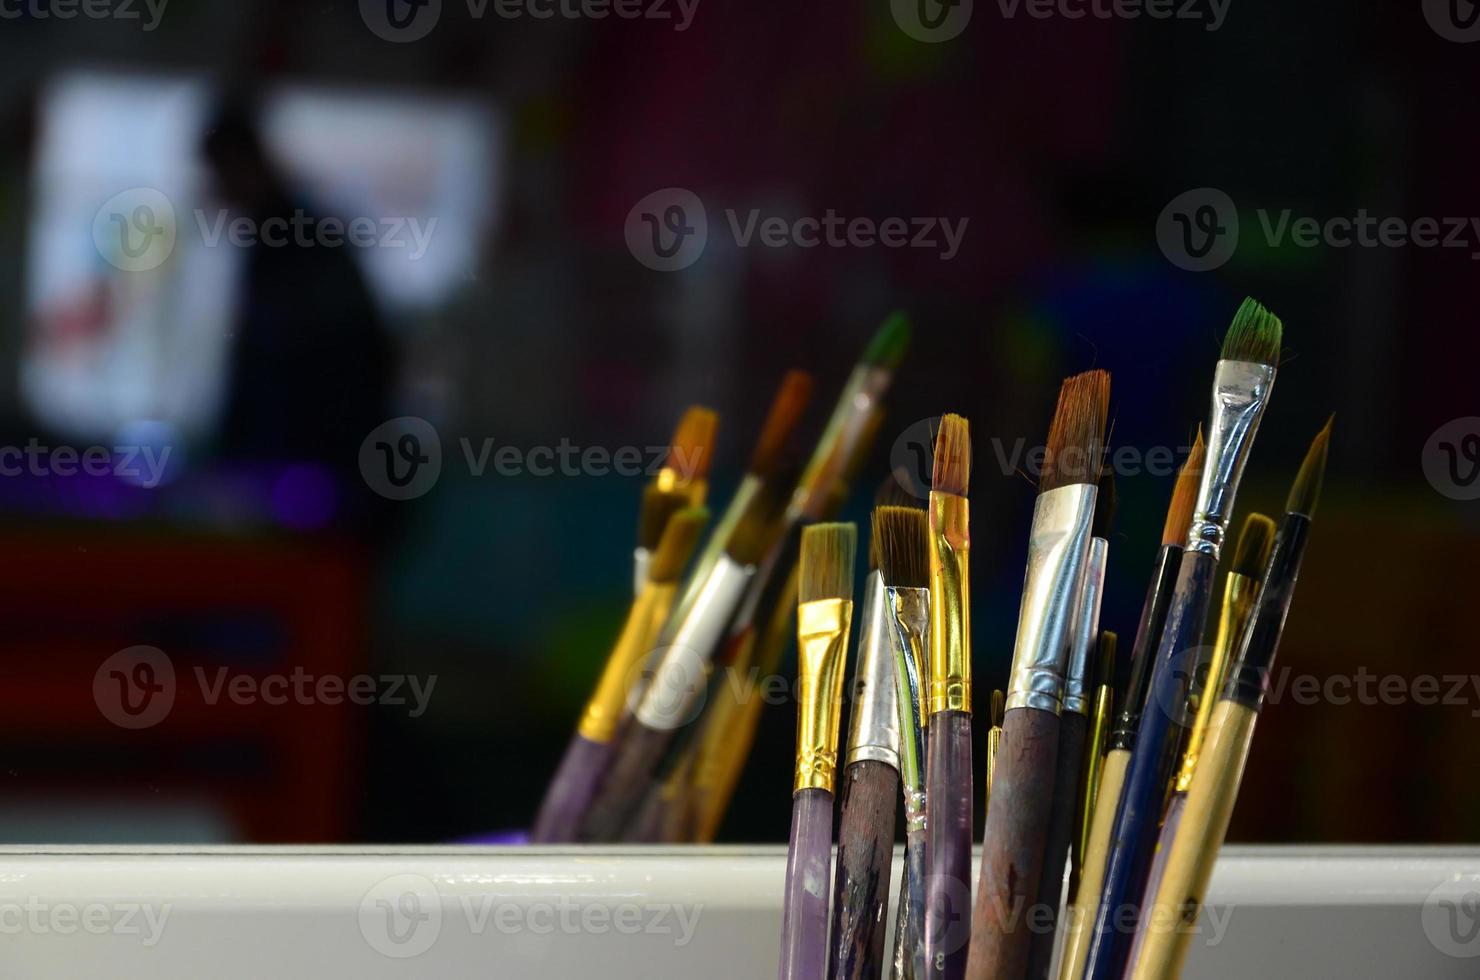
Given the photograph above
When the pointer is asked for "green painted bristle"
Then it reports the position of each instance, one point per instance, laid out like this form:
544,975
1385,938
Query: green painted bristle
1254,335
890,343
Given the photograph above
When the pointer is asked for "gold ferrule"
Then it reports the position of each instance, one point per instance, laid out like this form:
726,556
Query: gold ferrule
1094,763
950,604
822,638
1239,595
994,744
609,701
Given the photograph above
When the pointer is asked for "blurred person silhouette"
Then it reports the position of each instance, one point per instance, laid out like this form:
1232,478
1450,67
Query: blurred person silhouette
311,365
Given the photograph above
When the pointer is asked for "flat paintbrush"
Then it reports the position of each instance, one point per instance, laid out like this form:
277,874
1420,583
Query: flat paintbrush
948,784
824,613
1022,789
585,760
1128,719
1242,384
870,793
682,482
1240,590
1215,781
1073,732
902,537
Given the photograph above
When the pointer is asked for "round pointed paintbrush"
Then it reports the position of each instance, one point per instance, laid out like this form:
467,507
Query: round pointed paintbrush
576,779
682,482
824,614
1073,731
1022,789
1242,384
1128,718
948,777
1215,782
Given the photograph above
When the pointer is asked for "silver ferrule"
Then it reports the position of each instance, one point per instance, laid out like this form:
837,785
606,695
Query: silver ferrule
642,560
1058,548
909,631
873,727
1077,693
678,669
1241,391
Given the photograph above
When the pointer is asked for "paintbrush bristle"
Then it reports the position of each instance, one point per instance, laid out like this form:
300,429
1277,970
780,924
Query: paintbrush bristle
1307,489
1184,495
826,568
1105,668
902,535
756,530
1254,335
1107,501
951,472
999,708
658,507
781,421
1254,543
677,545
692,449
890,342
1076,438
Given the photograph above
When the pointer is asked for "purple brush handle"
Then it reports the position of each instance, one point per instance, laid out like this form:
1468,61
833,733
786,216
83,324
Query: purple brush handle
570,793
1073,731
948,856
808,881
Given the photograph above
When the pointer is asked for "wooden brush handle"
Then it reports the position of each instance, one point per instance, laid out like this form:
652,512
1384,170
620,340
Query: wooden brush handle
1073,732
1012,849
948,855
571,791
865,860
1087,900
625,783
804,910
1194,850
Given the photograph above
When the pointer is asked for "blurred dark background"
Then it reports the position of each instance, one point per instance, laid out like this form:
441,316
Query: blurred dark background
131,140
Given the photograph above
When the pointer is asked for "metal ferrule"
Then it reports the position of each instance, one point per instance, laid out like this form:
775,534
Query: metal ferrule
642,560
1239,595
994,745
1241,391
873,727
849,423
822,640
609,701
1077,693
1058,548
679,664
1094,764
950,609
909,629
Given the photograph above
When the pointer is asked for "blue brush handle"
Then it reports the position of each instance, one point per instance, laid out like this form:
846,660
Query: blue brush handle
1138,815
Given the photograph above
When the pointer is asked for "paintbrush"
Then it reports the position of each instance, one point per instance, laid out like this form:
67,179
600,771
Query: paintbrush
1073,731
673,677
1128,719
1240,590
994,741
948,785
1242,384
902,537
580,770
1022,788
1215,781
1101,717
682,482
824,613
870,794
